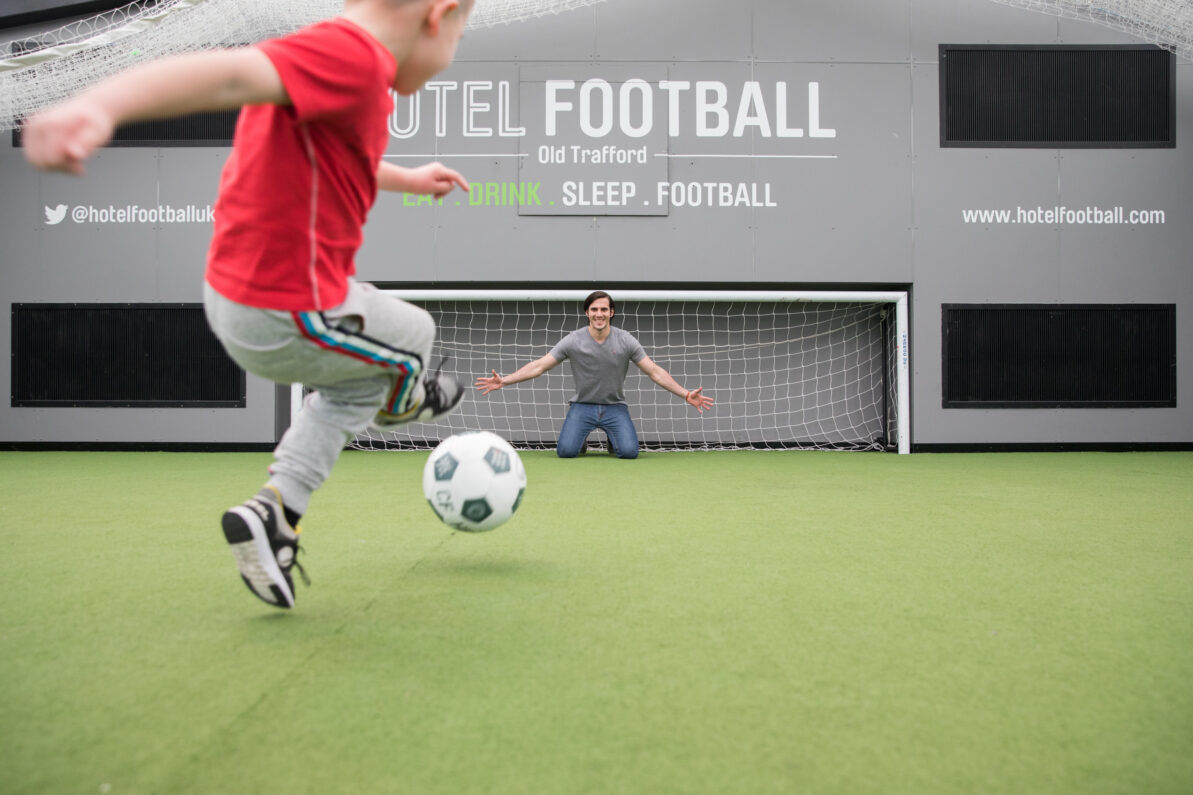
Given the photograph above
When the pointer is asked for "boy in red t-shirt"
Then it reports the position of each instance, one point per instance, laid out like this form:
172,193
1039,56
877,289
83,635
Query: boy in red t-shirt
305,168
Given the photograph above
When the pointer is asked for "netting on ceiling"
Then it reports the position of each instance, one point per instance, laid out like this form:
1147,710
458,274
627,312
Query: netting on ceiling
1167,23
39,71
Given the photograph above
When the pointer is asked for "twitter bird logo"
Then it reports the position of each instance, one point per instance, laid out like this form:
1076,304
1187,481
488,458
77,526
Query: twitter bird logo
54,215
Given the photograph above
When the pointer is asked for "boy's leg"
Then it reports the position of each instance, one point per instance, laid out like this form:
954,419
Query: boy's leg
415,393
370,350
307,451
581,419
386,343
372,333
623,438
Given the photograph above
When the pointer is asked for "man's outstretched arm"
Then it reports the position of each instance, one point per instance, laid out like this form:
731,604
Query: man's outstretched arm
694,397
491,383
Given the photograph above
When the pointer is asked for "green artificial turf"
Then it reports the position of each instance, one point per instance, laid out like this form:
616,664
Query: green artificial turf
751,622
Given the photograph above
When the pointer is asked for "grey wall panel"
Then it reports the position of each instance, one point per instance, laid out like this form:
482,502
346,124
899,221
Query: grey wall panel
671,30
936,22
1136,263
698,237
402,232
250,425
405,239
20,257
986,259
557,37
847,218
400,242
21,217
92,254
795,30
188,180
636,250
1056,427
563,250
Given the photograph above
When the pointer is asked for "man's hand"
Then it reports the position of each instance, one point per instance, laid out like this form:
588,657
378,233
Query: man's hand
487,384
699,401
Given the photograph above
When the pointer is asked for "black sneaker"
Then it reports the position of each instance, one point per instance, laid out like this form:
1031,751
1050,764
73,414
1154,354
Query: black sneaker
265,547
442,394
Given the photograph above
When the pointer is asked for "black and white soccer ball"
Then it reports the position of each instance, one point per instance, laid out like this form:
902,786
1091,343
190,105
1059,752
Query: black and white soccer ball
474,481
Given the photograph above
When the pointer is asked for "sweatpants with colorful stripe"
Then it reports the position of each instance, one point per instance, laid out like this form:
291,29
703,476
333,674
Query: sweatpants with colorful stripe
364,358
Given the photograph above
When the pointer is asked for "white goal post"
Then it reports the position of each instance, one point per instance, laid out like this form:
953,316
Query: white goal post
788,369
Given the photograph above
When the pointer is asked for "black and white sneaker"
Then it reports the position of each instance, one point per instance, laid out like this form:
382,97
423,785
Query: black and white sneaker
265,547
442,394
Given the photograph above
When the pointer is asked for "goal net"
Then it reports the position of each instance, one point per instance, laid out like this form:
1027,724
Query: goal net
1166,23
787,370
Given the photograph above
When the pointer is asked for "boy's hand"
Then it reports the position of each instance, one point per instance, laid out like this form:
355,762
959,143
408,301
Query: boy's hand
435,179
62,137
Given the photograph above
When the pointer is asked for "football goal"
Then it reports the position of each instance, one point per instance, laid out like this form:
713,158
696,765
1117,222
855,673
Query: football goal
800,369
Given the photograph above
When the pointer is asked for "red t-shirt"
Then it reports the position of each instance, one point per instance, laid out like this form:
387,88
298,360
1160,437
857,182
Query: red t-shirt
301,178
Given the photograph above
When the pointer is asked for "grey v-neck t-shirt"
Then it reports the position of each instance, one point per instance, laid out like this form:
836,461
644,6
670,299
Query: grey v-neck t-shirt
599,369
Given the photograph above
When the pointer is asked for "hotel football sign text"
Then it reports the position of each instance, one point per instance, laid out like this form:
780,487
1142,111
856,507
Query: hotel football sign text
599,144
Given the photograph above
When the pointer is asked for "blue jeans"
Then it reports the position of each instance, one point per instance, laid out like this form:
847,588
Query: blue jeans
584,418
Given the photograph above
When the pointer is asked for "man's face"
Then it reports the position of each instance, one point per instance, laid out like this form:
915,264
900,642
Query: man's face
599,314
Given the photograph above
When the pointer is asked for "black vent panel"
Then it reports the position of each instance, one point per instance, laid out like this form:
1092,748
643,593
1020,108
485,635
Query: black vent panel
120,355
1059,355
1057,96
214,128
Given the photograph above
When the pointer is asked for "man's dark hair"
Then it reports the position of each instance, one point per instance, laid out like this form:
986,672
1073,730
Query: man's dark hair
594,295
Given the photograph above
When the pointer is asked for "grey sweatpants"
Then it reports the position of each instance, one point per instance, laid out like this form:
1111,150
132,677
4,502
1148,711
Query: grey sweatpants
365,356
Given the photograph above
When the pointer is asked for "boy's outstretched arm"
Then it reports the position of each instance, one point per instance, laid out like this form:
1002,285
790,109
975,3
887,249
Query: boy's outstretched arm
434,179
61,137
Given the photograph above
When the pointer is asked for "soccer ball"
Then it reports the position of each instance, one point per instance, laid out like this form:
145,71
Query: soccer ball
474,481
